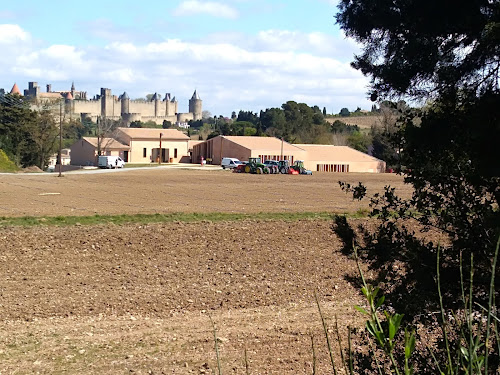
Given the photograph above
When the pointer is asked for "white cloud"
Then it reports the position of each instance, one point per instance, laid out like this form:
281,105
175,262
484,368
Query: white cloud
190,7
10,34
228,75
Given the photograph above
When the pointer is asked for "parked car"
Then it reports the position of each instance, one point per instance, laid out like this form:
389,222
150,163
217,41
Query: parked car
230,163
110,162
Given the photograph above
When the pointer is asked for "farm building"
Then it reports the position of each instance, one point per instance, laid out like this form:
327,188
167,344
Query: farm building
145,144
84,151
134,145
242,148
328,158
320,158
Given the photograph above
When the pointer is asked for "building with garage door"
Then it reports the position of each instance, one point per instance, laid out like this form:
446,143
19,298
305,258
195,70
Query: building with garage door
244,147
319,158
84,151
134,145
145,144
329,158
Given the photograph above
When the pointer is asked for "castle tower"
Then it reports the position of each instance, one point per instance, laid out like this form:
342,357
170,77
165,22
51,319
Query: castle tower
157,99
167,105
73,89
195,106
15,90
125,103
107,103
68,103
175,105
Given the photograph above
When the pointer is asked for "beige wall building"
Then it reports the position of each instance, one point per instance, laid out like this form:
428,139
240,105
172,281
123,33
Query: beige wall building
328,158
244,147
144,144
318,158
84,151
134,145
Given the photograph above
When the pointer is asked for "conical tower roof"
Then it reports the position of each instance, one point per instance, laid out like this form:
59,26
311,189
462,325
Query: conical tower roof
15,90
124,96
69,96
195,96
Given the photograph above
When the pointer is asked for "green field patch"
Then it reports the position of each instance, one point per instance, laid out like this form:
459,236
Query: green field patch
27,221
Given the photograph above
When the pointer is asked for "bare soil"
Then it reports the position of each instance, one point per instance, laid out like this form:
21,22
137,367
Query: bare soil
109,299
173,190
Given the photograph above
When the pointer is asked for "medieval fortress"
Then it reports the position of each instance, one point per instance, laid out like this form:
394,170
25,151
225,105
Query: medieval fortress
121,108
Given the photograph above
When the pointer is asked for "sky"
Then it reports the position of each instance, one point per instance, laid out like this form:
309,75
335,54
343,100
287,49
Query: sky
238,54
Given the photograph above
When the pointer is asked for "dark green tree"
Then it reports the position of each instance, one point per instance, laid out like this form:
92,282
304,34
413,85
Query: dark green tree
17,122
359,141
273,121
344,112
44,133
248,116
449,54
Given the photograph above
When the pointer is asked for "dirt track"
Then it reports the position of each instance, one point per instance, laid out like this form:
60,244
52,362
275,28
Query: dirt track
137,298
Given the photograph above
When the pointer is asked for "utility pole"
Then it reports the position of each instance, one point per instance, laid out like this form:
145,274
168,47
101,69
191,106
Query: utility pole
159,158
60,139
281,148
221,144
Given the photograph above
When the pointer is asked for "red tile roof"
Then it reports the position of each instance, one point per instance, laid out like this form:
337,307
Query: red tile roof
15,90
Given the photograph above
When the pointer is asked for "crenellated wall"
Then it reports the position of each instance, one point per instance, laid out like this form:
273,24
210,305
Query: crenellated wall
110,106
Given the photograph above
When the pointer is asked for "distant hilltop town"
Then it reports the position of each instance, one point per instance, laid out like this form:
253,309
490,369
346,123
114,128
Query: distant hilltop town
114,107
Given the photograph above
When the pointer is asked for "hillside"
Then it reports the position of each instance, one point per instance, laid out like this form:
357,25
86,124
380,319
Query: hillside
6,165
364,122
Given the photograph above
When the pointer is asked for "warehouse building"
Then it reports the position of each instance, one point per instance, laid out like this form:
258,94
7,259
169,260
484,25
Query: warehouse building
319,158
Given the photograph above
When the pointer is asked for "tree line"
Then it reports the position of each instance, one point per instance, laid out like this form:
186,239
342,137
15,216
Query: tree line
30,137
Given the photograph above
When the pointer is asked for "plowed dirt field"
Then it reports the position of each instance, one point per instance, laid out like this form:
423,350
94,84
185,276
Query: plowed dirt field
116,299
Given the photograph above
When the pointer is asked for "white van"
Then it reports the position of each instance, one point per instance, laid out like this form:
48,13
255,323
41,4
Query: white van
230,163
110,162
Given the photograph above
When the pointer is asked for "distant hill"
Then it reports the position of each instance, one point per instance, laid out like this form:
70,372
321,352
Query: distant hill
6,165
364,122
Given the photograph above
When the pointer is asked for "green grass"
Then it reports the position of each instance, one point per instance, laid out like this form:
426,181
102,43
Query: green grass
6,165
27,221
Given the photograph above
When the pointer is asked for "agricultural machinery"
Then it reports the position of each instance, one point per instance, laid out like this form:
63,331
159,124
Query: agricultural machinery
254,165
298,168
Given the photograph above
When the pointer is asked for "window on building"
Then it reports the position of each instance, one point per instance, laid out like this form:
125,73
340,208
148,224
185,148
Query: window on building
175,152
143,152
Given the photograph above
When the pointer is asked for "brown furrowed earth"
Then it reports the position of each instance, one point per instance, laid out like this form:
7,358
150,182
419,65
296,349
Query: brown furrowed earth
137,298
173,190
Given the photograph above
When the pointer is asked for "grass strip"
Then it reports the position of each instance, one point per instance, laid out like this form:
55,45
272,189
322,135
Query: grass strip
27,221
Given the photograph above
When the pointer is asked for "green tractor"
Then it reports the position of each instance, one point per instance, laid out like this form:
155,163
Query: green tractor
299,168
255,165
284,166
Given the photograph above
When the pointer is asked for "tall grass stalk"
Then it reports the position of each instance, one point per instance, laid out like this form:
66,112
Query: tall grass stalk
314,354
339,340
325,329
474,348
247,367
383,337
216,345
490,306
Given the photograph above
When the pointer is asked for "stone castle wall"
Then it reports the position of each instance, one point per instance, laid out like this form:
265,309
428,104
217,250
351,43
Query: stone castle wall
112,107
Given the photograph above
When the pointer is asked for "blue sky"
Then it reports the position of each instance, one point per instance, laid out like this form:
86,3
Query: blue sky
238,54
